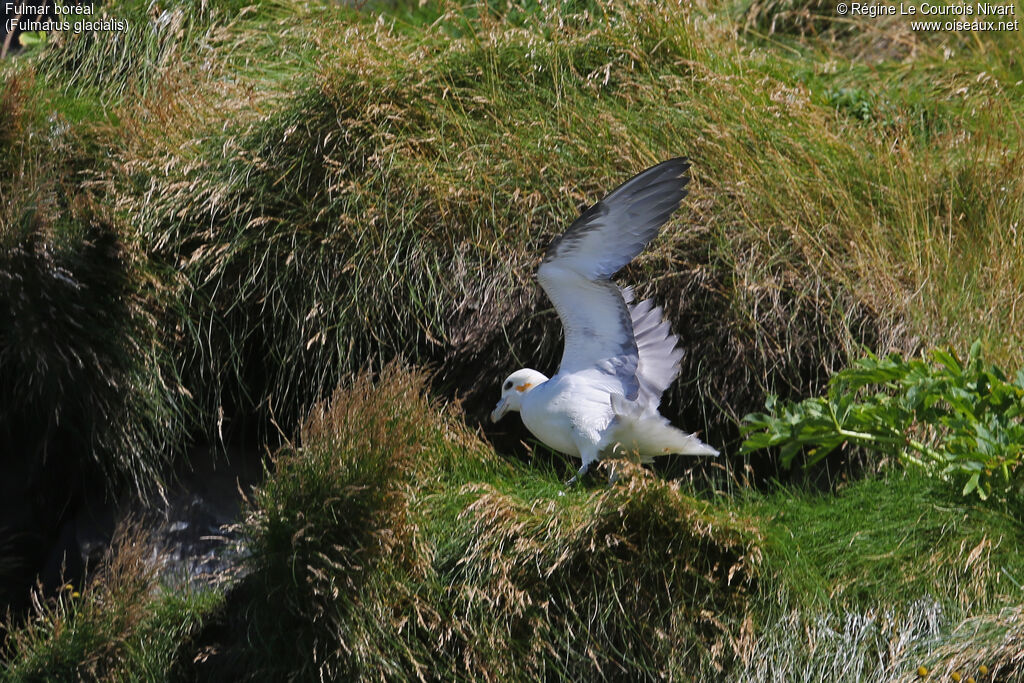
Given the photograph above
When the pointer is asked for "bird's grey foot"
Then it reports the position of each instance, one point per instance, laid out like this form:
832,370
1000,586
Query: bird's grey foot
579,475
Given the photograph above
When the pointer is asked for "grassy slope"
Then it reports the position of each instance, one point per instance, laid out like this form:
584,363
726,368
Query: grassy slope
383,188
431,165
395,543
886,576
434,556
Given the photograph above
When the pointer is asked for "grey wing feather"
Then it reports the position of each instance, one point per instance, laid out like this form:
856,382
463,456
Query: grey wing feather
659,356
613,231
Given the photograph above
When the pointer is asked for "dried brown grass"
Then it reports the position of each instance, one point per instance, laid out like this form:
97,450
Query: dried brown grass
995,641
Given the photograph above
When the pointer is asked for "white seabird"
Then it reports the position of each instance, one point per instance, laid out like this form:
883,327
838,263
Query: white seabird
618,357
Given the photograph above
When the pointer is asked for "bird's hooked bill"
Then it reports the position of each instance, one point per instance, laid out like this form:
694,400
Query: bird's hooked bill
499,410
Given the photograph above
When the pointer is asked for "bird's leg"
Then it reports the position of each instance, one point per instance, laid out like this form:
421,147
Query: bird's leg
588,452
579,474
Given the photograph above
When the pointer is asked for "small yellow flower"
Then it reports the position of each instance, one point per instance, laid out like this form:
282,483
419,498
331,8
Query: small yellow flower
922,671
956,676
970,679
68,587
75,595
983,669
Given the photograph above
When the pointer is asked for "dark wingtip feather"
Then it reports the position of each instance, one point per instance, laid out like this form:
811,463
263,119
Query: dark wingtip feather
662,187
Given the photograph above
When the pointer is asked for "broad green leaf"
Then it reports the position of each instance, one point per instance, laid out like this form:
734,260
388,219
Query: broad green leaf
957,420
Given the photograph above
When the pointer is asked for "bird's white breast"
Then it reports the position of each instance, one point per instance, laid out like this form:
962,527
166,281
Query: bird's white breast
564,410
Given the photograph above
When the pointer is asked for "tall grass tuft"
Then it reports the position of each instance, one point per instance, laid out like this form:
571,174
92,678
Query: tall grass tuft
93,73
398,202
90,401
120,626
83,377
637,581
328,534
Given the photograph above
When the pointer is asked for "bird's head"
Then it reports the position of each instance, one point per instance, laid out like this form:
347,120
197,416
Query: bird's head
512,391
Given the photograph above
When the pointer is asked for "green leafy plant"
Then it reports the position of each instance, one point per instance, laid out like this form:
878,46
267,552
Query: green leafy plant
959,419
853,101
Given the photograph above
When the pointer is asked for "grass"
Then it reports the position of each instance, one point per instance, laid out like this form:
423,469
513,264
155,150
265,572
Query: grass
785,270
888,575
80,353
383,189
209,221
90,399
121,626
900,535
391,541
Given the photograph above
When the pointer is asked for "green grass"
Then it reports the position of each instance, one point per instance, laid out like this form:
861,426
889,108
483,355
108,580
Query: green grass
903,535
414,152
122,626
886,576
82,367
383,189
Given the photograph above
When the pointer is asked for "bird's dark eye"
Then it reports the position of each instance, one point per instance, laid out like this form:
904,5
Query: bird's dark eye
507,385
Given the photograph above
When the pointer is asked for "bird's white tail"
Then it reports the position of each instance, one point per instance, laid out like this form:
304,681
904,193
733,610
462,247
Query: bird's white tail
638,431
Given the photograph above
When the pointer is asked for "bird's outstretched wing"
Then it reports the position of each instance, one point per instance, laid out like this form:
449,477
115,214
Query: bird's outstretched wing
577,268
